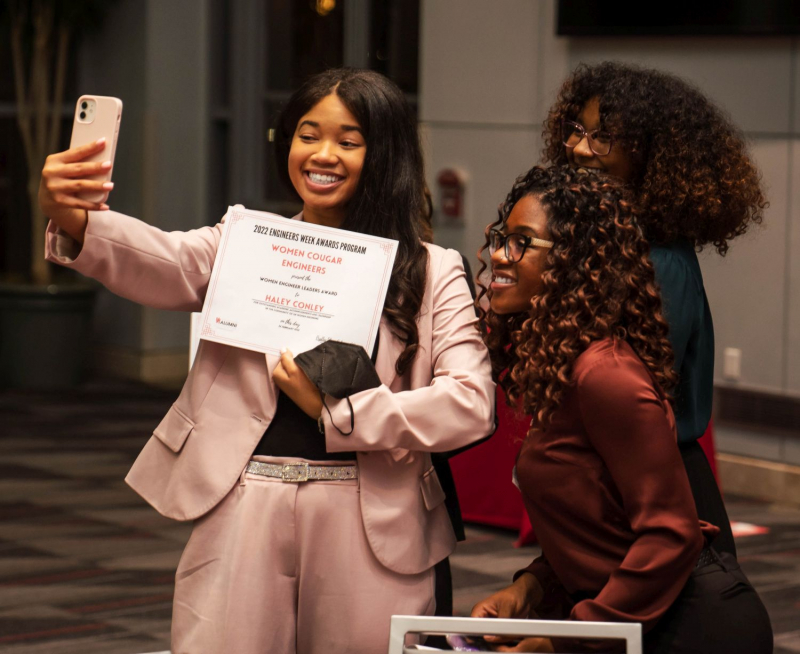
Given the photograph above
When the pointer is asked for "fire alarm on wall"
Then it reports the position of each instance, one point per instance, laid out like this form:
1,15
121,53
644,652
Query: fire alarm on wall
452,184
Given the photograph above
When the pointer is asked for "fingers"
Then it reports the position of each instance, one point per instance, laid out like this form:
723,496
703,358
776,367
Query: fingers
292,381
68,199
526,645
287,373
287,361
58,190
499,605
83,169
55,169
86,205
483,610
487,609
79,203
279,376
82,151
514,646
74,186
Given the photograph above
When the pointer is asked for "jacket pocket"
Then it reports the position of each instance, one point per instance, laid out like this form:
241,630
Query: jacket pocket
432,491
174,429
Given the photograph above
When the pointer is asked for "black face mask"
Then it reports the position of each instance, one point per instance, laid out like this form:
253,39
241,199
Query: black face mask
339,370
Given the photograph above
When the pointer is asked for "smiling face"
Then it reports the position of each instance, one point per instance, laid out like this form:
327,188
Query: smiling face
514,284
325,161
617,162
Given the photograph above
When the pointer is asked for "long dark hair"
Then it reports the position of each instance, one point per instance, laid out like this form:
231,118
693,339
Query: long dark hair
390,197
693,178
598,282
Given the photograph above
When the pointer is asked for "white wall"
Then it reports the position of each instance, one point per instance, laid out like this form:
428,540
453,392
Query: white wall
485,82
487,79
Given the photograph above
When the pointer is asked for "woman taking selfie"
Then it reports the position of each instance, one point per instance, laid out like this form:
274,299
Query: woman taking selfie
574,294
318,566
688,173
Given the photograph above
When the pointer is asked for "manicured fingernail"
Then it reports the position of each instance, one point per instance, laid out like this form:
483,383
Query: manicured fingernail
284,350
101,140
104,207
106,165
108,186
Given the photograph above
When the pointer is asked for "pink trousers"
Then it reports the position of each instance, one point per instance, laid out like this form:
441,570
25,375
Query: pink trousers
286,567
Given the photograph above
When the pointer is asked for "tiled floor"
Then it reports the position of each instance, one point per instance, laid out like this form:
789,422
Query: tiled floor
86,567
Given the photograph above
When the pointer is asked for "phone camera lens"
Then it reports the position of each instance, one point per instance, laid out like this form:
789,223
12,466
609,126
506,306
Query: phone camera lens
84,104
83,114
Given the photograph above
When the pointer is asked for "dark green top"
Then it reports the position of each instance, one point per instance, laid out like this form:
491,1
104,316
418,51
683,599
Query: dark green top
691,333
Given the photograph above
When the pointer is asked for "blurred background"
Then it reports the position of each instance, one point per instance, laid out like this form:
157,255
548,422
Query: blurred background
202,80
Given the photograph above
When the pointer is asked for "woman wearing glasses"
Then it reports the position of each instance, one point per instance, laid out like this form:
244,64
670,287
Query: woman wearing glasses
689,175
574,293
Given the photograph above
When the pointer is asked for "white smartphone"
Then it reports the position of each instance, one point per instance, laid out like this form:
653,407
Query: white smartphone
97,116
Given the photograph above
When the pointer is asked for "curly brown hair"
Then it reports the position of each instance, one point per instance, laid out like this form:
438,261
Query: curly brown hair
598,282
693,176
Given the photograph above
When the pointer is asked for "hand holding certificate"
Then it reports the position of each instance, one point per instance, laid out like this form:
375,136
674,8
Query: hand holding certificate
286,283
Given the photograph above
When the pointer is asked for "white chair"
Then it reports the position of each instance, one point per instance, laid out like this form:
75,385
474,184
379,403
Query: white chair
402,625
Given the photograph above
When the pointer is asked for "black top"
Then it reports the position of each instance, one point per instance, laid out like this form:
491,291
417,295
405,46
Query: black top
293,433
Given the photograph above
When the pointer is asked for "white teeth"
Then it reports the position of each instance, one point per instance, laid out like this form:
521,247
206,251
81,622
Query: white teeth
504,280
323,179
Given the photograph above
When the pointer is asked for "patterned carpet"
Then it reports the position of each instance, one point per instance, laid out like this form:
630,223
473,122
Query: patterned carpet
86,567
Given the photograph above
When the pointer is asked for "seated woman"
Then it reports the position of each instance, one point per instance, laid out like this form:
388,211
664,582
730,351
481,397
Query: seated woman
577,336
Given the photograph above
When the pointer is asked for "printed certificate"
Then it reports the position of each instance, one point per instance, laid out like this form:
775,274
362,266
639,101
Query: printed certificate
286,283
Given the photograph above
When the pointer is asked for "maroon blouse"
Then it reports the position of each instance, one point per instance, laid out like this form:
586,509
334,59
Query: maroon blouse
608,495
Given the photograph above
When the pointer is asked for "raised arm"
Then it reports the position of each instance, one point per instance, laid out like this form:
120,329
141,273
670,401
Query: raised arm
132,259
165,270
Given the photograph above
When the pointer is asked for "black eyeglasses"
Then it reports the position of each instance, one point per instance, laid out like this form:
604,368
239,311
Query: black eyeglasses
600,140
514,245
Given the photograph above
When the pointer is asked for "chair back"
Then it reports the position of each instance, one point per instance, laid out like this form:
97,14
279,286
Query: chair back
403,625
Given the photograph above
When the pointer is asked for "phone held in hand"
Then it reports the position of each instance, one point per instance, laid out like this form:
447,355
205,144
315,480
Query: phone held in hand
96,117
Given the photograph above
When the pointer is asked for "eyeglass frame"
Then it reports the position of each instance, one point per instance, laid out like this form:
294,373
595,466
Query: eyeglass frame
585,134
530,241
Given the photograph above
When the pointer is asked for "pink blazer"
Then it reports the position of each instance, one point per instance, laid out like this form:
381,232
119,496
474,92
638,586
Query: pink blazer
198,451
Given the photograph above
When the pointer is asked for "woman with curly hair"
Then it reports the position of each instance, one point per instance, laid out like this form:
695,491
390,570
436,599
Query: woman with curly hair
578,341
688,173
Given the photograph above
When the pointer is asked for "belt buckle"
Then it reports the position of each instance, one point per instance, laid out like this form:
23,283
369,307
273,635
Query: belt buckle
294,472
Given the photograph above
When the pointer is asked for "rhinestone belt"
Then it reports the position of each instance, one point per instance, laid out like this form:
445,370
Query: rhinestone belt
297,472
